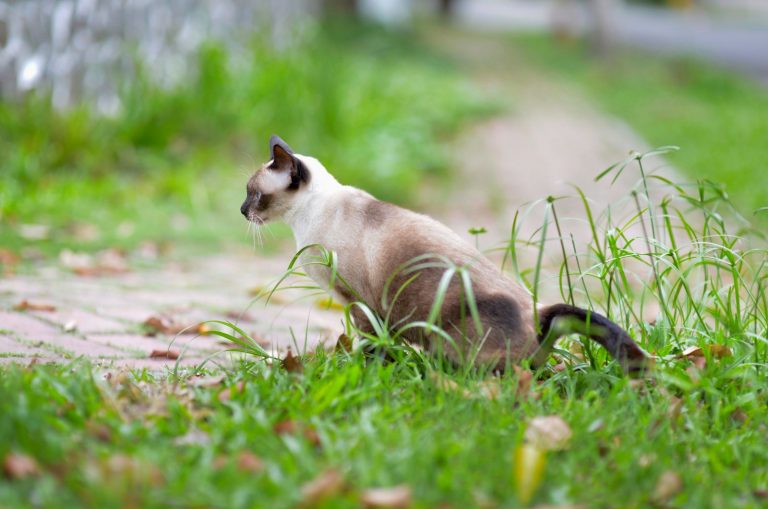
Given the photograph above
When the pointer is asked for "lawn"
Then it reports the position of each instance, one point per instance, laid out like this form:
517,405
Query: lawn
328,428
173,164
717,118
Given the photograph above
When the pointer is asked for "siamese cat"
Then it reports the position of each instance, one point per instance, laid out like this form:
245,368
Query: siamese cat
394,261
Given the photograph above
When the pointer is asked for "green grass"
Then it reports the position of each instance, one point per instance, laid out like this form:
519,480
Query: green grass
146,440
717,117
369,104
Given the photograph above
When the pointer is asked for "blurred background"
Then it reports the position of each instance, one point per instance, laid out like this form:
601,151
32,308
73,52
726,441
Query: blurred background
124,122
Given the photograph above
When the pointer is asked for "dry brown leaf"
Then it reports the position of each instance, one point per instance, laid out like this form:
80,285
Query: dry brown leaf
675,407
524,380
395,497
249,462
107,262
716,351
489,389
227,393
720,351
19,466
170,353
344,343
26,305
158,324
669,484
292,363
124,466
566,506
549,433
646,460
327,484
287,427
219,462
312,437
99,430
8,257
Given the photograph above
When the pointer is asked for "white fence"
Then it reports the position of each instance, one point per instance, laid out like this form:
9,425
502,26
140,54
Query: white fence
80,50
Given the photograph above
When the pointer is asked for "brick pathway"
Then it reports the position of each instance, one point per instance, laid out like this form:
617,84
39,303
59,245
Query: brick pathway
550,139
101,317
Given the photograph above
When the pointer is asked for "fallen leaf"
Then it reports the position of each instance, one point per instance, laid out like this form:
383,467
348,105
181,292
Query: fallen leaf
646,460
107,262
739,415
26,305
19,466
720,351
124,466
669,484
395,497
327,484
528,470
716,351
287,427
227,394
34,231
344,343
99,430
8,257
249,462
207,381
239,315
312,436
193,437
566,506
292,363
549,433
170,353
524,380
675,407
489,389
219,462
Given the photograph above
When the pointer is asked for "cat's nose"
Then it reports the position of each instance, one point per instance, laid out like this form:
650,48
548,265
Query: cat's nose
244,209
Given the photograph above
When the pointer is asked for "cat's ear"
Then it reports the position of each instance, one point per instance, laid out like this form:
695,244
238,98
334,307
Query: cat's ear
282,155
283,159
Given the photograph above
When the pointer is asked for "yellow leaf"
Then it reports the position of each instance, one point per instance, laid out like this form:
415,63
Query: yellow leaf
550,433
529,470
395,497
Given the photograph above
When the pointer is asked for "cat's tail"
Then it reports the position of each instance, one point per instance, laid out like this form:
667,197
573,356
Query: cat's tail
562,319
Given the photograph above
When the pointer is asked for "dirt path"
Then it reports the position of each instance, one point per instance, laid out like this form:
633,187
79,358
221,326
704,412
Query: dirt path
547,140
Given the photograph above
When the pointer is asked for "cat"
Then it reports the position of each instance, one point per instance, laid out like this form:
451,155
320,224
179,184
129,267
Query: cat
383,251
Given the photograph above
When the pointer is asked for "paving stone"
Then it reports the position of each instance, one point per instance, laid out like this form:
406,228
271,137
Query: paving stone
25,324
10,345
143,344
151,364
85,321
77,347
23,361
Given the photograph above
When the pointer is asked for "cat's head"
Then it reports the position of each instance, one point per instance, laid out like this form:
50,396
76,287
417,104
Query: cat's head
274,188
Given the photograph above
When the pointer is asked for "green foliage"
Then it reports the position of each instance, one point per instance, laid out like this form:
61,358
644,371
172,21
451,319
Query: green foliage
716,117
369,105
449,433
